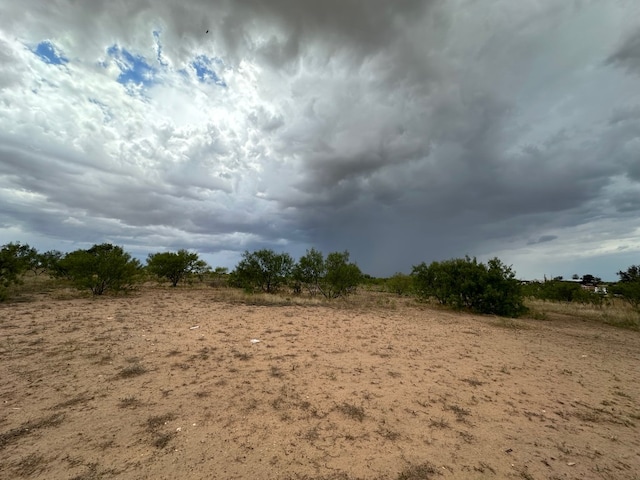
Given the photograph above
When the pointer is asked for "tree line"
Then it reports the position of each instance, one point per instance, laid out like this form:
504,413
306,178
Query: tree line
267,271
460,283
106,267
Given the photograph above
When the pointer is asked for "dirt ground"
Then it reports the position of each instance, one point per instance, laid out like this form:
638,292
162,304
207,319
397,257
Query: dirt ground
172,384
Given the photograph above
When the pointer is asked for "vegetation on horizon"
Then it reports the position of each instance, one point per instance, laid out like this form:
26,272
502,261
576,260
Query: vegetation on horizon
629,286
561,291
332,277
460,283
263,270
469,284
177,266
100,268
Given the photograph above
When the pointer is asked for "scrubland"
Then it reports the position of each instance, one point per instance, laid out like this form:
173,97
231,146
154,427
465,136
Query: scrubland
196,382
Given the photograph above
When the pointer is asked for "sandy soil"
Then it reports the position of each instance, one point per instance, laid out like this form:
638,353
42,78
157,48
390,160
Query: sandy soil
128,387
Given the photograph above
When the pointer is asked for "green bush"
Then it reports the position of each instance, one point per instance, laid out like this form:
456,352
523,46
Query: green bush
100,268
176,266
332,277
400,284
342,276
219,277
374,283
15,259
559,291
310,272
588,297
464,283
263,270
629,286
46,262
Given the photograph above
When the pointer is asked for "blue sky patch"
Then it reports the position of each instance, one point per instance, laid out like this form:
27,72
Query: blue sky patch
203,66
48,53
134,69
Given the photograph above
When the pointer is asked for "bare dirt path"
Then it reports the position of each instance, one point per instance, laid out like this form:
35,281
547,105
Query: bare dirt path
128,388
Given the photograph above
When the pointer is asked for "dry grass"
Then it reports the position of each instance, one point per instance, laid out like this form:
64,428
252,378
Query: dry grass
28,428
154,425
423,471
388,434
30,466
618,313
237,296
155,422
132,371
474,382
361,300
460,412
439,423
352,411
95,473
129,401
77,400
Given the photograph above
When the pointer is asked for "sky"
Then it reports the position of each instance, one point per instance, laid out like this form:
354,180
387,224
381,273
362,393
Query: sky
403,131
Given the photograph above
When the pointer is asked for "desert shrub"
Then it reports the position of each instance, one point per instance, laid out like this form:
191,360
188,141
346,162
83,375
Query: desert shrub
559,291
310,271
100,268
629,286
374,283
219,277
400,284
532,290
465,283
15,259
176,266
332,277
46,262
263,270
342,276
588,297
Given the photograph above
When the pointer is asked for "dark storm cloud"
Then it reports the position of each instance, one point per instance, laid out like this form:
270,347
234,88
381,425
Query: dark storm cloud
627,202
628,53
460,194
368,26
542,239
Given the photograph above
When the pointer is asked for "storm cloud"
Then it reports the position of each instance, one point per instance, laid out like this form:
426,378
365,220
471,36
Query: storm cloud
403,131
